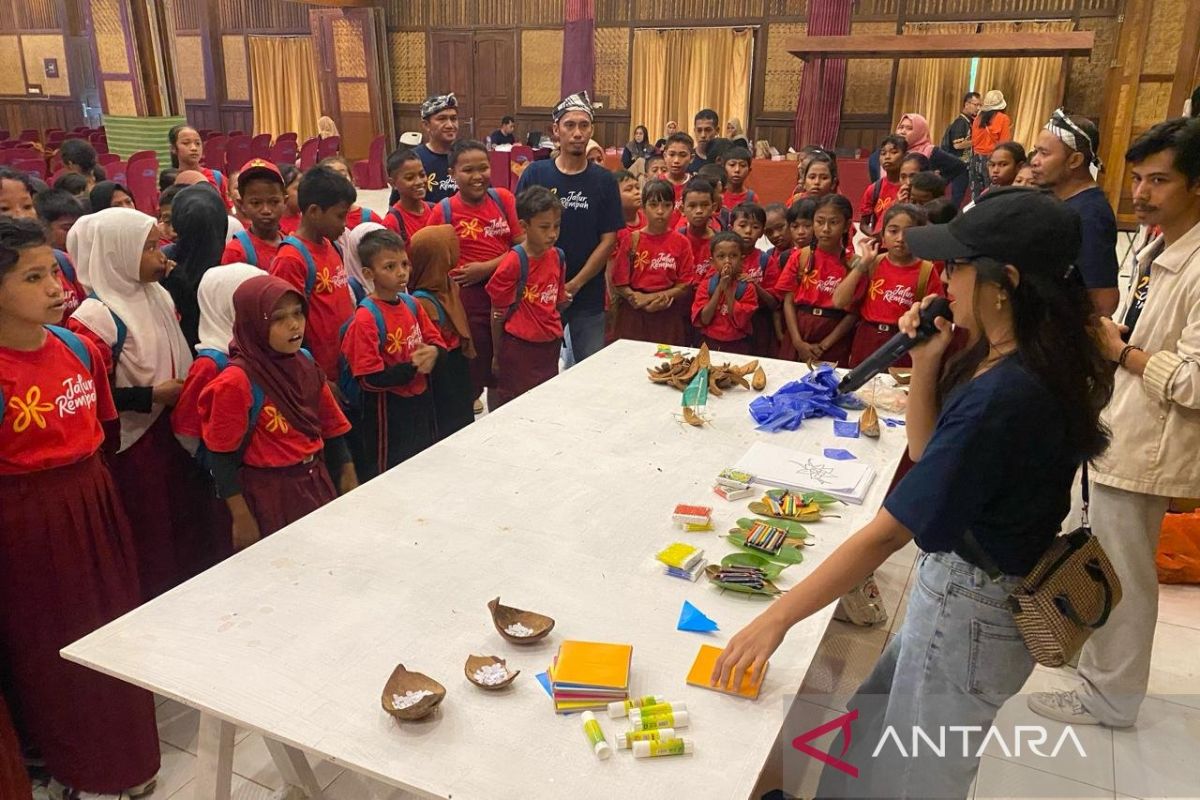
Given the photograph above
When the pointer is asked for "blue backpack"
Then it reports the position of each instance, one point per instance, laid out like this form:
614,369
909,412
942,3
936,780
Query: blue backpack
73,343
310,277
445,205
64,265
122,331
738,290
523,276
243,238
351,388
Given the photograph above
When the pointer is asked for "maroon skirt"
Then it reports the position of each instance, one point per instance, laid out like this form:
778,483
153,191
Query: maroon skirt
740,346
169,501
869,337
478,306
278,496
668,326
763,341
813,328
67,568
14,781
523,365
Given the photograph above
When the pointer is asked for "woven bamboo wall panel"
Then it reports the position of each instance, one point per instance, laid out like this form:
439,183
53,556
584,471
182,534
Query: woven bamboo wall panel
541,67
188,14
109,33
119,100
781,84
349,55
1152,105
39,47
1162,47
777,9
38,15
612,66
190,67
715,10
405,14
610,11
868,80
407,50
353,98
12,76
237,67
543,12
1086,74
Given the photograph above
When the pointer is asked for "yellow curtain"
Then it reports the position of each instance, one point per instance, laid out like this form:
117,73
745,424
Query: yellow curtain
932,87
678,72
1032,86
283,85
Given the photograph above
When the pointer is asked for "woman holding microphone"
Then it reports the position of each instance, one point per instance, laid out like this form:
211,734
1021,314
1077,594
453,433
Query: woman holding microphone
997,438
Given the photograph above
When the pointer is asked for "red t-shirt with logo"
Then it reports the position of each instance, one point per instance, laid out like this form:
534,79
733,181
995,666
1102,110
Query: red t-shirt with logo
661,261
264,251
888,193
288,224
677,213
536,318
225,415
185,417
774,271
53,406
357,216
73,291
331,303
753,270
814,286
484,229
405,333
731,200
701,251
892,289
412,222
726,326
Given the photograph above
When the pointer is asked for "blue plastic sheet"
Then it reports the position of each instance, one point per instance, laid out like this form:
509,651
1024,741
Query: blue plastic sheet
839,455
846,430
814,395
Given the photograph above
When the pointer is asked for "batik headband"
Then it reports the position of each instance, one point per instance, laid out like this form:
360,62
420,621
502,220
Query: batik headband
576,102
1073,136
437,104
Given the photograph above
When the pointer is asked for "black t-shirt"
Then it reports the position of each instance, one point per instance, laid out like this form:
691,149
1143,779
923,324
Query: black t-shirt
959,129
437,170
591,208
1097,262
698,161
997,465
500,137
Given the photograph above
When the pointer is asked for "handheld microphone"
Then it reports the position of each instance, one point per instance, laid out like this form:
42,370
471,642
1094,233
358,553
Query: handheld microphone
896,347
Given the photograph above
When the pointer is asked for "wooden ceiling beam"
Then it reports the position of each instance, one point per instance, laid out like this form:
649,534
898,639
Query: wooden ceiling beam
871,45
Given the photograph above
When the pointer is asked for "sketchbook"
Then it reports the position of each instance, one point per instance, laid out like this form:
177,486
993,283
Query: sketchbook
792,469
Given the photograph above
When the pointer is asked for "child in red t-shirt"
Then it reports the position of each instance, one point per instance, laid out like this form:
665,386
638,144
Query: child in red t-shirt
391,346
291,190
187,153
820,176
68,562
16,201
882,193
895,281
407,175
817,329
485,221
312,265
656,169
653,271
697,211
748,221
526,326
737,165
630,191
269,415
723,310
261,201
677,154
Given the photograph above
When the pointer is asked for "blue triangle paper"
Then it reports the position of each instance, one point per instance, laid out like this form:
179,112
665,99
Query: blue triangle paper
693,619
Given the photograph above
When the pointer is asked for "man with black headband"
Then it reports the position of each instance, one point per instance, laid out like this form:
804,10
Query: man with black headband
1062,161
439,119
591,218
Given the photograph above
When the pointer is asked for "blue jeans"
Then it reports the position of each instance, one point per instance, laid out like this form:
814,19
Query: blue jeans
957,658
584,334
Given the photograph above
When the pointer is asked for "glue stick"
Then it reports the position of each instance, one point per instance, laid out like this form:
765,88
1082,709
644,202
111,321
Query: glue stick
656,709
626,740
662,747
621,707
668,719
591,729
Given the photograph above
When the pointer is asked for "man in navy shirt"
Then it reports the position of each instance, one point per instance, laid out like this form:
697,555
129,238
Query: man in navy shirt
1062,161
439,118
591,218
705,124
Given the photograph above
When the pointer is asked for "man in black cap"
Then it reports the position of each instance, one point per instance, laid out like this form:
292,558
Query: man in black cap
591,218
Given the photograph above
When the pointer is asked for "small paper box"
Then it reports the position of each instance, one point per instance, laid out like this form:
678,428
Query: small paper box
731,494
680,556
735,478
685,514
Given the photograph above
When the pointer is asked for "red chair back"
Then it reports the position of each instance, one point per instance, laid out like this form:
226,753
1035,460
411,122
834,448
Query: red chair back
31,165
237,153
117,172
283,151
214,151
329,146
30,135
99,141
370,174
236,133
260,146
308,154
141,175
55,138
104,159
4,136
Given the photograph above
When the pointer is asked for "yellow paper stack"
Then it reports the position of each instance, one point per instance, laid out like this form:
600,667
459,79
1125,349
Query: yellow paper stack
589,675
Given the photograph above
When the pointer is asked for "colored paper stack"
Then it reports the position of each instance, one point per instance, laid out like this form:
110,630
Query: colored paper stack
589,675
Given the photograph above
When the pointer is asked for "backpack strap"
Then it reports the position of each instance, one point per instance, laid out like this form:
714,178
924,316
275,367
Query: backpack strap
122,331
64,264
562,262
923,279
764,258
492,193
73,343
380,326
739,290
216,356
219,179
310,277
751,197
243,238
446,212
396,215
522,279
425,294
357,289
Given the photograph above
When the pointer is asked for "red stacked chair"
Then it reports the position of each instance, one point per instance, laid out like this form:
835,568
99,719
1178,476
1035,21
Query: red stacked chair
104,159
260,146
30,135
308,154
329,146
237,152
142,181
214,151
117,172
284,151
370,172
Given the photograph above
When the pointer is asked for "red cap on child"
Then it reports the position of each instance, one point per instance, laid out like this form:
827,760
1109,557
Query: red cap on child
258,168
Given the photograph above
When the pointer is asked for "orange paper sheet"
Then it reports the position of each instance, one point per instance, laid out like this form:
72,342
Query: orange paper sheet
701,674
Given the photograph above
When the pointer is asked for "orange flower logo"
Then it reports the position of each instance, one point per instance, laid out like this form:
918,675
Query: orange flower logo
876,288
276,422
642,260
430,181
470,229
809,280
30,410
395,341
324,282
531,293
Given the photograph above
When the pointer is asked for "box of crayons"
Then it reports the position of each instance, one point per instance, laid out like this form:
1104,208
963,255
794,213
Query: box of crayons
682,561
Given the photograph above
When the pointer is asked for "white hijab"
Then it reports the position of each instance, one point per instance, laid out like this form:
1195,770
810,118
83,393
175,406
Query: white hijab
215,296
350,258
106,248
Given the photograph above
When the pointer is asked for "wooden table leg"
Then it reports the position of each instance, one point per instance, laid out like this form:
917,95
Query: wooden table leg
214,759
294,768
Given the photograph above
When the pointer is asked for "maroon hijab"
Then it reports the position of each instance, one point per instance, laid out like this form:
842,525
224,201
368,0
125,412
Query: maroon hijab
293,382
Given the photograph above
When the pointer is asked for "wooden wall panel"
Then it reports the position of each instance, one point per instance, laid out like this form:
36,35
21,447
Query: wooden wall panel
263,16
784,71
237,68
541,12
119,98
12,70
189,61
1087,74
541,67
869,80
613,60
408,66
39,47
609,12
109,34
188,14
1162,48
406,14
33,15
726,11
16,115
777,9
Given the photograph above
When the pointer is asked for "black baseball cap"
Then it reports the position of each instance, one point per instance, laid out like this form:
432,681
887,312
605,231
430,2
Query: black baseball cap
1028,228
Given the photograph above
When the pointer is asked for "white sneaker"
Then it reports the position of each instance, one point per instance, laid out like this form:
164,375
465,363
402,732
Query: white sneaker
1061,706
478,407
60,791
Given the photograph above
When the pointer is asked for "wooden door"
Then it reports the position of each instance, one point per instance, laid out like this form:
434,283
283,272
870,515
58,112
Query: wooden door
450,61
349,71
495,66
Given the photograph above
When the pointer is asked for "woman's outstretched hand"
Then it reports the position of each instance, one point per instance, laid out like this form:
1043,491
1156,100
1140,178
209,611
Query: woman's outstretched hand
749,650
